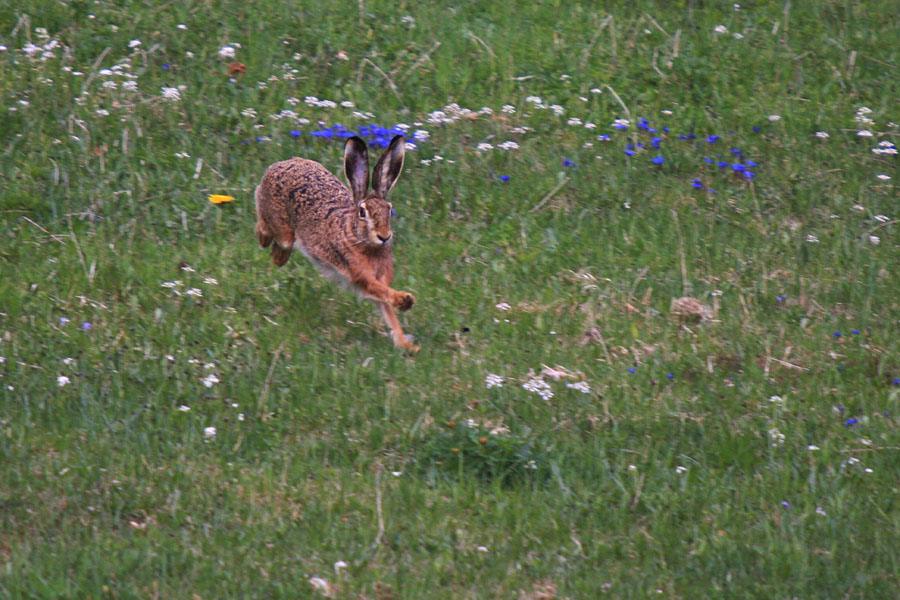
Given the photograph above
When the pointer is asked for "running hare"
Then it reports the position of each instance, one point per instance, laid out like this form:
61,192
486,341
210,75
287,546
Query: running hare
346,233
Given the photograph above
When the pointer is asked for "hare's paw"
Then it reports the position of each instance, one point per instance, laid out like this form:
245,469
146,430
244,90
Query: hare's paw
403,301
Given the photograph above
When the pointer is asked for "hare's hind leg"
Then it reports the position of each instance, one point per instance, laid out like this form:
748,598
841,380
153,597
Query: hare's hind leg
284,239
401,340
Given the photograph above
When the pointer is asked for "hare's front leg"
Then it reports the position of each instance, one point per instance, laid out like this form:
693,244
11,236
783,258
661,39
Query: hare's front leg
401,340
381,292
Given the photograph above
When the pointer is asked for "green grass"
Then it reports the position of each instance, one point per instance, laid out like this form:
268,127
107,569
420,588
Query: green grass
681,477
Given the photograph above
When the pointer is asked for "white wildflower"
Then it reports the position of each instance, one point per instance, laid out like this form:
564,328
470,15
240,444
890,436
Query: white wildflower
508,145
812,448
539,387
776,437
209,380
482,549
211,281
874,240
596,91
184,408
864,133
134,43
62,381
823,135
66,361
226,52
493,380
130,86
420,135
582,386
820,511
812,239
502,306
720,29
508,109
774,118
680,469
171,93
883,177
557,109
574,121
882,218
196,292
534,100
249,113
776,399
483,147
737,36
321,586
209,432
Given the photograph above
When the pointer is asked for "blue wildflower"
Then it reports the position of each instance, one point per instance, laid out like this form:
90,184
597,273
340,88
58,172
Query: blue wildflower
166,67
393,213
604,137
712,191
713,139
896,380
736,151
295,133
629,152
785,504
670,375
739,167
640,145
658,160
750,163
620,125
504,178
325,133
851,422
697,184
836,334
63,321
757,128
707,160
568,163
854,332
781,298
722,163
666,129
749,174
631,370
86,326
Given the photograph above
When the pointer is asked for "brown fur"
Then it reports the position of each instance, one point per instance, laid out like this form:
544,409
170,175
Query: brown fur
301,205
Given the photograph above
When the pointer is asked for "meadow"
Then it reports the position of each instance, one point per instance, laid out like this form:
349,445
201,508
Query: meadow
654,249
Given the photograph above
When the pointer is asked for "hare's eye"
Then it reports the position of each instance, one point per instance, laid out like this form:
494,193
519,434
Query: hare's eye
362,212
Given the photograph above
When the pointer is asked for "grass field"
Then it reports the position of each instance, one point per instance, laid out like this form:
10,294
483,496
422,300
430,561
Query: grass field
655,256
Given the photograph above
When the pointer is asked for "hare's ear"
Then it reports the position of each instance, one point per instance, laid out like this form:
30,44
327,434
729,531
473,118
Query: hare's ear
388,167
356,167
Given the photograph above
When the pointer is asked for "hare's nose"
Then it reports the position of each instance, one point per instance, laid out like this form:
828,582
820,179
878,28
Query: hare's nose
384,240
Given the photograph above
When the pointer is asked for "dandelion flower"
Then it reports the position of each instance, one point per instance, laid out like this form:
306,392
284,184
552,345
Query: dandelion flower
219,198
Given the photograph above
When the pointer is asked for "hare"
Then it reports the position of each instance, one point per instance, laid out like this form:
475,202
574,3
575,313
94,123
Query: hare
346,233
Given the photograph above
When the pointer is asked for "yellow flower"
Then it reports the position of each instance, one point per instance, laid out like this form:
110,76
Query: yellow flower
219,198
